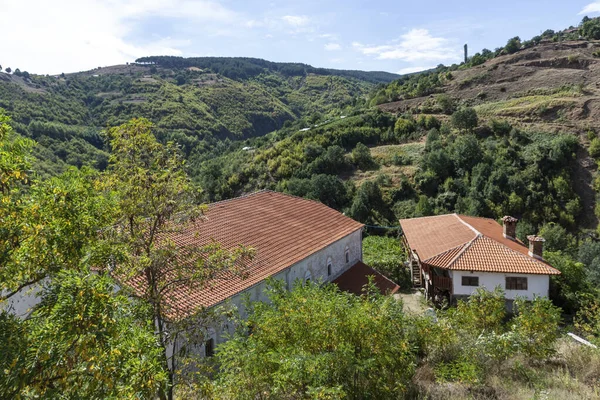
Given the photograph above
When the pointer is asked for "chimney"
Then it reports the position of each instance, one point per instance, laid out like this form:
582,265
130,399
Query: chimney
536,246
509,227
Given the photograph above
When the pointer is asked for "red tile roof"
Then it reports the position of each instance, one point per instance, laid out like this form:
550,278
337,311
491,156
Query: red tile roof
282,229
460,242
357,276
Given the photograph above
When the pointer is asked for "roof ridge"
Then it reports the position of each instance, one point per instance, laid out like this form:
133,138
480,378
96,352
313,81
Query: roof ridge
468,225
445,252
466,247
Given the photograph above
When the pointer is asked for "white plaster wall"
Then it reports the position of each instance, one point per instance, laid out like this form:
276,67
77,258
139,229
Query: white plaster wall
537,285
316,264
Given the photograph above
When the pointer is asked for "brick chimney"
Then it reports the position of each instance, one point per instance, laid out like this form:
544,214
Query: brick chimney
509,227
536,246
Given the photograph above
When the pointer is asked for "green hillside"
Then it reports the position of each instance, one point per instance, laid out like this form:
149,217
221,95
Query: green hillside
194,106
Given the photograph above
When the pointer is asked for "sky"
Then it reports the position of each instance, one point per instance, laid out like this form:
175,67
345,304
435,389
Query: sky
50,37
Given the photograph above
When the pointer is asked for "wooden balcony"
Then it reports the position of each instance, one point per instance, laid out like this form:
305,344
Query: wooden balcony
442,283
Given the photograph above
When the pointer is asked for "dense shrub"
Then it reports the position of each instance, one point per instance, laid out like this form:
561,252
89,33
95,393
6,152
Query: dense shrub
465,119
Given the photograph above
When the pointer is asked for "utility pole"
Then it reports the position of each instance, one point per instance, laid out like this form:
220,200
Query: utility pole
466,53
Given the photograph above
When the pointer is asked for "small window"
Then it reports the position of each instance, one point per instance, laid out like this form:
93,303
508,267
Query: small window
347,255
209,348
329,269
470,281
307,276
516,283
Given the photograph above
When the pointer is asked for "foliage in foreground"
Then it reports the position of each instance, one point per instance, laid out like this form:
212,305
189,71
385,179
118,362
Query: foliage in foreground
318,342
82,341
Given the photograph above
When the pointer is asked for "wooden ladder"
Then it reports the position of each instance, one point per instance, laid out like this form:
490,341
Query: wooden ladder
415,273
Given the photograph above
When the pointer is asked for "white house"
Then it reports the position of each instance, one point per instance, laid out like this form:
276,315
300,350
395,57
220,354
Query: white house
452,255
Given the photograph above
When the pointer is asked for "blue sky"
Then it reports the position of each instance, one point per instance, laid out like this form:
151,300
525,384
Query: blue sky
397,36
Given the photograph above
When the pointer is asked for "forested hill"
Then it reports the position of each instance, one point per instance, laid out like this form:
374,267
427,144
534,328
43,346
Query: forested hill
197,102
243,68
512,131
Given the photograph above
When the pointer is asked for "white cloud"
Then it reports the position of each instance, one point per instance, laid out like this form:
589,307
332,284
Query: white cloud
414,46
330,36
75,35
333,47
410,70
592,8
296,20
254,24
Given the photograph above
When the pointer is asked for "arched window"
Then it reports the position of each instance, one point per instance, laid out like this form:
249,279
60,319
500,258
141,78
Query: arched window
329,266
347,255
307,276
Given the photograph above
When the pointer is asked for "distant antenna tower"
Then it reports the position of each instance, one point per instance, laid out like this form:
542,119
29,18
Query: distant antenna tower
466,53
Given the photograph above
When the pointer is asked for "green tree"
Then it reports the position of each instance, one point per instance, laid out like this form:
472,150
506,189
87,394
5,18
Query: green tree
8,70
82,341
368,205
318,342
155,198
361,156
424,207
51,226
591,29
536,326
446,103
557,238
483,311
404,127
465,119
513,45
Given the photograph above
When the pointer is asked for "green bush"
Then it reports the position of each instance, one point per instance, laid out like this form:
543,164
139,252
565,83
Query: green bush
386,255
595,148
361,157
465,119
315,340
404,127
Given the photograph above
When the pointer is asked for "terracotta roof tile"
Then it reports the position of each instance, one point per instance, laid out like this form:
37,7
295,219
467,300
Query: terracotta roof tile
282,229
431,236
357,276
487,255
442,260
459,242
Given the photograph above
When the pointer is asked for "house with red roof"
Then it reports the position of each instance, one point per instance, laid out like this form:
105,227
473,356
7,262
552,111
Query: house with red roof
453,255
294,239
